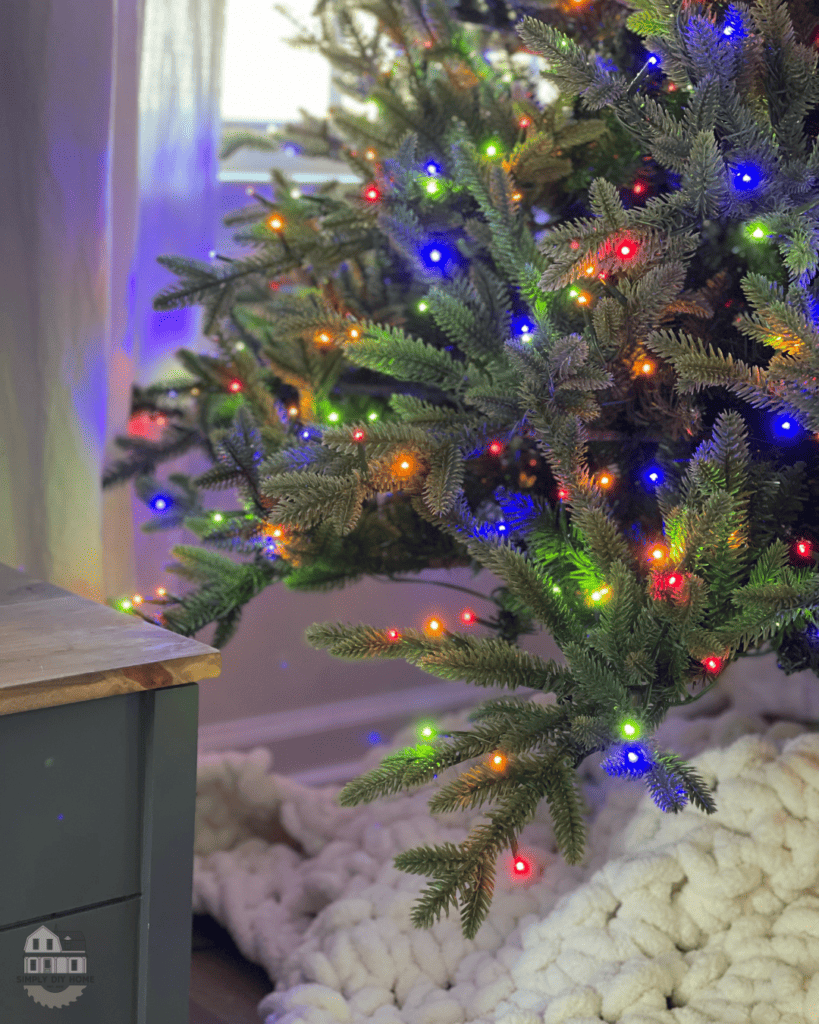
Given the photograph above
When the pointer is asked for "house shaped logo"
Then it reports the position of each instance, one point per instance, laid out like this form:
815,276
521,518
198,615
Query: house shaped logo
55,967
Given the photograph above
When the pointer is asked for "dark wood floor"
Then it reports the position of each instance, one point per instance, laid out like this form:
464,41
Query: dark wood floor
225,987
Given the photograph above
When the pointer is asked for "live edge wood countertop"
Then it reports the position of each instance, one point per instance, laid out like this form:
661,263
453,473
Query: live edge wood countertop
58,648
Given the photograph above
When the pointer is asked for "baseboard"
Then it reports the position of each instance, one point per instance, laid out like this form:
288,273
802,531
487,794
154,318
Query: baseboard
260,730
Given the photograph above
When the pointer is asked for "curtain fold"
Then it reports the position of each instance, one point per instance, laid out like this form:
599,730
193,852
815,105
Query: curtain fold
109,129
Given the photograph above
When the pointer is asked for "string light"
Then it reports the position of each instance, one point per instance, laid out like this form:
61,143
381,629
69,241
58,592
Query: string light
516,197
354,334
393,634
630,729
467,616
358,434
495,448
161,592
372,193
322,338
522,326
627,250
491,149
713,664
522,867
746,177
638,188
422,306
432,168
658,553
434,626
293,410
647,367
218,517
562,494
426,731
275,222
803,548
497,762
433,187
370,154
756,231
404,466
372,416
524,122
160,503
653,476
605,480
137,599
598,595
235,385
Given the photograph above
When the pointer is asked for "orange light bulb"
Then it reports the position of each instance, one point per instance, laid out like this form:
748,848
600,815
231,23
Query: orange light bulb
275,222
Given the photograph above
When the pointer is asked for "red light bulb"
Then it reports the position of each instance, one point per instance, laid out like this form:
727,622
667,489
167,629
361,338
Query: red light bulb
358,435
804,548
496,447
627,250
524,122
638,188
372,193
562,494
467,616
521,867
235,385
713,664
393,634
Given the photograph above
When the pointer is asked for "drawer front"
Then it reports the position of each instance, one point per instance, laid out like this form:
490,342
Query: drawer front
103,940
71,803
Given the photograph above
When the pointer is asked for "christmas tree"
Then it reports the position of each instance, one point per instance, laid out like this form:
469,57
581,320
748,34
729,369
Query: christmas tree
668,377
321,264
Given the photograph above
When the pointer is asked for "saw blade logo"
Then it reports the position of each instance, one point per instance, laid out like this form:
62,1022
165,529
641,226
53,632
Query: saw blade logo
55,967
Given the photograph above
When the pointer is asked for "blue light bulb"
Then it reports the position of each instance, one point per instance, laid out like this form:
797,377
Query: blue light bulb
432,168
434,255
653,476
159,504
523,327
786,428
746,177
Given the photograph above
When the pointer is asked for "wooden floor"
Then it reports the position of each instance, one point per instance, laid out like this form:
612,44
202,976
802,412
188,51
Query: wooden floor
225,988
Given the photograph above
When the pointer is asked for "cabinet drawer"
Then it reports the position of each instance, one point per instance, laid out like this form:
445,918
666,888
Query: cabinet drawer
106,938
71,804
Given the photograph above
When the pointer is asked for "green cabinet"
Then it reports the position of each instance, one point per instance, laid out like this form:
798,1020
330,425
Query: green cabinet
98,726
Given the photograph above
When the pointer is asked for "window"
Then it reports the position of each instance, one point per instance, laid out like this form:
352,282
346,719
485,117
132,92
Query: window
47,964
263,86
32,964
49,943
35,943
73,966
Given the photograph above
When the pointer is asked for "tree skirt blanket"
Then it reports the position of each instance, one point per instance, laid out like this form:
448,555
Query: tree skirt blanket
670,919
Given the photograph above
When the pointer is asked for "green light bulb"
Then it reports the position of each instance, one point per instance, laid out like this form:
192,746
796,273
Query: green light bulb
757,231
217,517
426,731
422,306
630,729
491,149
373,416
333,417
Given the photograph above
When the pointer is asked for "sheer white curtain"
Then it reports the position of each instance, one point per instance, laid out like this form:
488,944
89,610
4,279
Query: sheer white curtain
108,129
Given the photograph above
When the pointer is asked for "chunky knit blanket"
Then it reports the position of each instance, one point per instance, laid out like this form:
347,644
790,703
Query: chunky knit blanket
671,919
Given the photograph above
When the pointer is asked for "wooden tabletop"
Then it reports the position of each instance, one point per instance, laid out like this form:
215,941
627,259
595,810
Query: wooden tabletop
58,648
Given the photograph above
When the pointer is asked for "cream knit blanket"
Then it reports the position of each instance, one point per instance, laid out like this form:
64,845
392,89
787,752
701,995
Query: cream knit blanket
671,919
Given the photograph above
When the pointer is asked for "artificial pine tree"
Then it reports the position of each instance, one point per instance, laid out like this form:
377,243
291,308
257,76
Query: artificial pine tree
669,380
323,262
